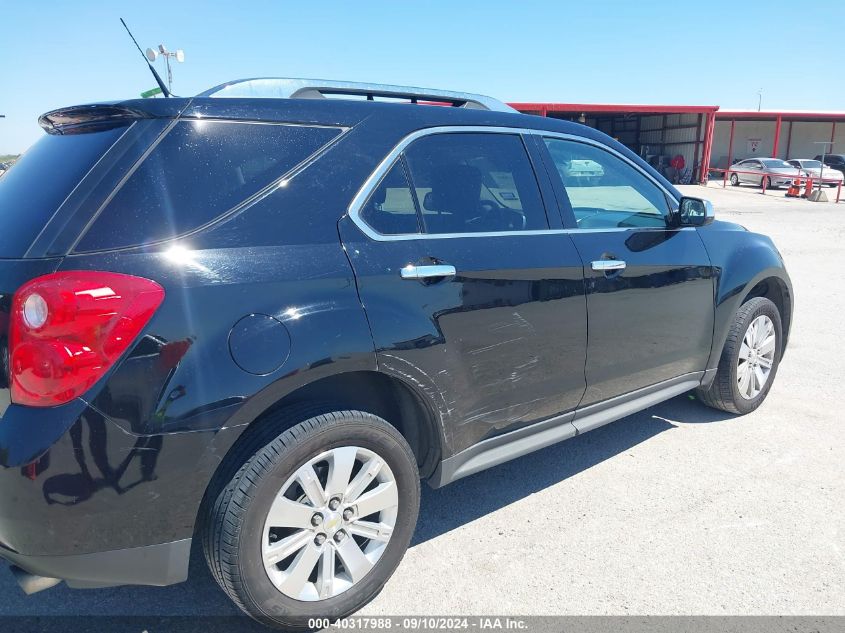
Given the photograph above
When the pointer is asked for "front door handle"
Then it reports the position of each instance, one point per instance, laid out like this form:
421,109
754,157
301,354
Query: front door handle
431,271
608,265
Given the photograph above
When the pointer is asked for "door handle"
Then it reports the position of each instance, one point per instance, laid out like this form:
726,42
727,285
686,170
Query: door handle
427,272
607,265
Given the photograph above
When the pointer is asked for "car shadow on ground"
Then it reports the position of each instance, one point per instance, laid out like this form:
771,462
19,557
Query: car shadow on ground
441,511
468,499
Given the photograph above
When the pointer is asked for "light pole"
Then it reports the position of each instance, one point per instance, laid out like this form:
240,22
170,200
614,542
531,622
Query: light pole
178,55
824,145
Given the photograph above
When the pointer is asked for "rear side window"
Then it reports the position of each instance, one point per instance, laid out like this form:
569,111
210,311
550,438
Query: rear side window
198,172
475,183
390,209
37,185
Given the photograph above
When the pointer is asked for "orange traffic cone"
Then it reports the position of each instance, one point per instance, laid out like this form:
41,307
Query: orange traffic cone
808,189
794,190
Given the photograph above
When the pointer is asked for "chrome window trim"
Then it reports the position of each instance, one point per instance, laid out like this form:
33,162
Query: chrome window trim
374,179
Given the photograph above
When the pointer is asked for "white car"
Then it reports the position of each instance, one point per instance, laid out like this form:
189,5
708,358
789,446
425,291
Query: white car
813,168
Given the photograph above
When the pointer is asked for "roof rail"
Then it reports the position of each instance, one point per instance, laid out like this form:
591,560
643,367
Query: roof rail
283,88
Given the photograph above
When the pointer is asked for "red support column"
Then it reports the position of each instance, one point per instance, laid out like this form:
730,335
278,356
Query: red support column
832,134
695,161
778,123
707,148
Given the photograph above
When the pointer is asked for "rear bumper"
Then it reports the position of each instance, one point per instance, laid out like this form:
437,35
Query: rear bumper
83,500
158,565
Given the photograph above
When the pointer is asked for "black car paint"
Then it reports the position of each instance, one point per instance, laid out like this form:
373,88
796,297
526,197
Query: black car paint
499,347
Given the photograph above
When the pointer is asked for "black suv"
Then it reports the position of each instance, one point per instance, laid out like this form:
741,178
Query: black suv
259,321
837,161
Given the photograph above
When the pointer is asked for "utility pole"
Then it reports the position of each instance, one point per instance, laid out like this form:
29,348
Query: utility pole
759,99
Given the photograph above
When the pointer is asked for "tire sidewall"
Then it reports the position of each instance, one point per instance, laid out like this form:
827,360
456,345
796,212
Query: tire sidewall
769,309
264,595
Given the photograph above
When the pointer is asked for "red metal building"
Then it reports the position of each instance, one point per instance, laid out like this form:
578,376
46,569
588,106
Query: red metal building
783,134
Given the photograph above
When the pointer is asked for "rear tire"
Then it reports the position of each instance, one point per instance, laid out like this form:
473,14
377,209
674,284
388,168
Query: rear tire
268,510
737,386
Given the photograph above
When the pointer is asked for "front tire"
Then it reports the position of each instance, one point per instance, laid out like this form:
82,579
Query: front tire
315,521
749,360
734,180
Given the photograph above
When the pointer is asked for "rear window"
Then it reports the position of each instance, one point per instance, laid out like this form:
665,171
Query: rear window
32,191
198,172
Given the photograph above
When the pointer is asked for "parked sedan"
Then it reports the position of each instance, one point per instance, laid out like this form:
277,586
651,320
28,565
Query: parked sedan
755,171
813,168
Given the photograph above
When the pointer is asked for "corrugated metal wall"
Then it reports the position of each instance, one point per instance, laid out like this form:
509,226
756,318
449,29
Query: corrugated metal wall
657,137
672,134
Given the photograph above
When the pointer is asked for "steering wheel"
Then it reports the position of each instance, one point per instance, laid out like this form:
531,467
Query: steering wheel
493,214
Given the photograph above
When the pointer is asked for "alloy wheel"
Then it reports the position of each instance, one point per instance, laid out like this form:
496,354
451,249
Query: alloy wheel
756,357
330,523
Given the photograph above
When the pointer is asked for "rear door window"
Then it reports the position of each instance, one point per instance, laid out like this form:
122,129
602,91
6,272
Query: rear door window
475,183
198,172
37,185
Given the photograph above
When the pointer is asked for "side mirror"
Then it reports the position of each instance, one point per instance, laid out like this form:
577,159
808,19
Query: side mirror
695,212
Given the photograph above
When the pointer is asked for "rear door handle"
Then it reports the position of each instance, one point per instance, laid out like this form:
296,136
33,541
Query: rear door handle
427,272
606,265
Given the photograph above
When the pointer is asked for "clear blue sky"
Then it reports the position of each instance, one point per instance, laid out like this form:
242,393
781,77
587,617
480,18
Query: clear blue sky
60,53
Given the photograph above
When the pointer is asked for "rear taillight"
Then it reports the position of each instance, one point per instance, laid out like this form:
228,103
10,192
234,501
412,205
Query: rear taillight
68,328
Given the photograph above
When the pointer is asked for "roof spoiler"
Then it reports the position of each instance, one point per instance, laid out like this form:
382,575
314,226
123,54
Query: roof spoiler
283,88
88,118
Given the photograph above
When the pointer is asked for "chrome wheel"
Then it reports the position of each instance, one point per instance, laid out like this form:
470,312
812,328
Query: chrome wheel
330,523
756,357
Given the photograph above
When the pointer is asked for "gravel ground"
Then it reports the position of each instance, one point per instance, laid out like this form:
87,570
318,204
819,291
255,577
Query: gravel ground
676,510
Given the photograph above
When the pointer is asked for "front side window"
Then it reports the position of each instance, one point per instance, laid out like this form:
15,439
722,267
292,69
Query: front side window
604,190
475,183
199,171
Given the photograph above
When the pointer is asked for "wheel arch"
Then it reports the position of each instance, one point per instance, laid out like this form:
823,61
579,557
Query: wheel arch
771,283
365,390
776,290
